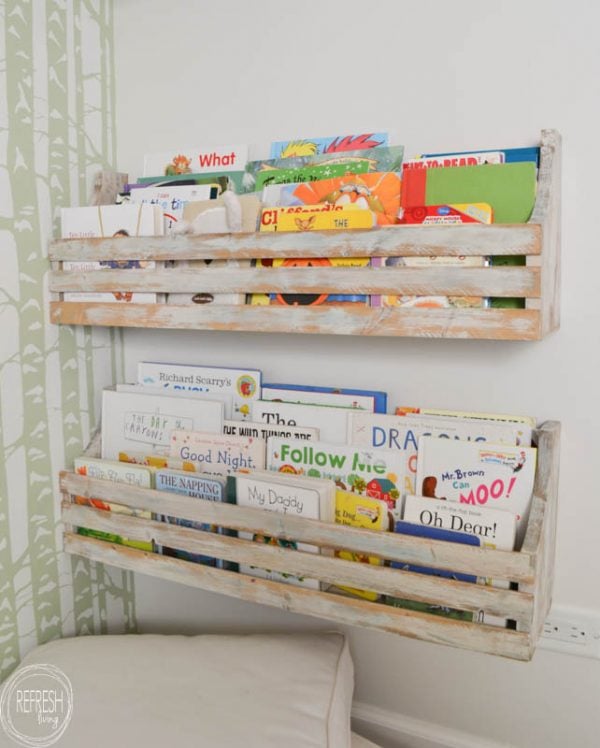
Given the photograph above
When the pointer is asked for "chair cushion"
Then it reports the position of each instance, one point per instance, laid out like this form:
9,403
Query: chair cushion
213,690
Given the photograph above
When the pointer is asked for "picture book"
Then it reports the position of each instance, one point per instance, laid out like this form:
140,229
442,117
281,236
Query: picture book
131,475
407,410
376,473
217,454
221,397
332,423
312,173
288,494
370,514
196,160
369,400
261,431
446,215
435,533
331,144
480,474
242,384
108,221
378,192
197,486
474,158
510,188
404,432
173,199
316,218
157,462
504,155
134,421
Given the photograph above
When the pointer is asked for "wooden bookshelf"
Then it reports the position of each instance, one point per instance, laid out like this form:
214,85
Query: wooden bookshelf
537,282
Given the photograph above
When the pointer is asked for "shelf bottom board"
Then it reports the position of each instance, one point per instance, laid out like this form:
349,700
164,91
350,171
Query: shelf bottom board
348,319
344,610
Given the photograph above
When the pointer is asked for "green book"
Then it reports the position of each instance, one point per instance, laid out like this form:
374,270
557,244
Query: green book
308,173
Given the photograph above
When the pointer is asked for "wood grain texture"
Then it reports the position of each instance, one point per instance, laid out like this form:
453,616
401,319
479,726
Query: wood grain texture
349,319
349,611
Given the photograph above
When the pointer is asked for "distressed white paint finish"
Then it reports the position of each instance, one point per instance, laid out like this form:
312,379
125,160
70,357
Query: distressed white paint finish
451,281
350,611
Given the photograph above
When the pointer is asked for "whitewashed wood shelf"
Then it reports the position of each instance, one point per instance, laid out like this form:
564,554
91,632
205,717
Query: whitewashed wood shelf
531,568
537,282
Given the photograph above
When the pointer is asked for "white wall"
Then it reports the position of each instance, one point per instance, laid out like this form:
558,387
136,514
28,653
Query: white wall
437,75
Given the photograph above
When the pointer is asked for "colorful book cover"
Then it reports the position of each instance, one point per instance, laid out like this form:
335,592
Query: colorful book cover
316,218
375,473
331,144
473,158
509,155
312,173
216,454
131,475
479,474
370,514
446,215
404,432
172,200
332,423
157,462
471,415
197,486
242,384
260,431
374,401
288,494
134,421
196,160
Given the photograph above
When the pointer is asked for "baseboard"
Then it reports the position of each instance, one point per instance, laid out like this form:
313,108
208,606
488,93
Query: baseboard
401,731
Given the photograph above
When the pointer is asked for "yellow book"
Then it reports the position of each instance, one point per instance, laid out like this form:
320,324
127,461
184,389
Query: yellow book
316,218
360,511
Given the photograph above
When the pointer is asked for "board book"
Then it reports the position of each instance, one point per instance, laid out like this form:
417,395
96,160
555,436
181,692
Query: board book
216,454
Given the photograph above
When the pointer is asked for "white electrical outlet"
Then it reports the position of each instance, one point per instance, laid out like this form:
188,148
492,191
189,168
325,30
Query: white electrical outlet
574,631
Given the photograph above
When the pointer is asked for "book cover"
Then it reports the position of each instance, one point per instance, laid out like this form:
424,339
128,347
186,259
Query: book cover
471,415
509,188
131,475
196,160
369,400
446,215
375,473
370,514
217,454
312,173
323,217
480,474
260,431
220,397
172,200
157,462
332,423
508,155
242,384
134,421
288,494
404,432
106,221
330,144
197,486
471,158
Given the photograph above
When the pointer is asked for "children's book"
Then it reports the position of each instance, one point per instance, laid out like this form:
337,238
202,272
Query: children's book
332,423
446,215
369,400
157,462
376,473
198,486
196,160
322,217
136,422
288,494
403,433
370,514
217,454
504,155
131,475
260,431
312,173
471,415
331,144
220,397
172,200
109,221
474,158
242,384
479,474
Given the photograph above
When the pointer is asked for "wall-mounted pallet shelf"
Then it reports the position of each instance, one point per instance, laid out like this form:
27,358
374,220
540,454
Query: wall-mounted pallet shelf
531,568
537,281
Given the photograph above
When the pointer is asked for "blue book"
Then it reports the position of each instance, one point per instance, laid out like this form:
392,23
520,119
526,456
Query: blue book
379,398
511,155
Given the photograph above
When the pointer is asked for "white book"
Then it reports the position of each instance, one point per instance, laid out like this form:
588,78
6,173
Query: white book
171,199
480,474
331,422
376,473
220,397
196,160
242,384
260,431
309,397
216,454
288,494
134,422
403,433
